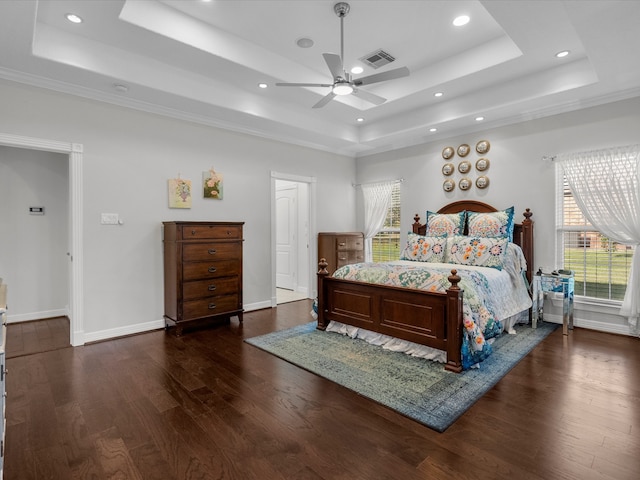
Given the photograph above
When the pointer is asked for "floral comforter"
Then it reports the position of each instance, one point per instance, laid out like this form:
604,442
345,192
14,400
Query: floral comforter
490,295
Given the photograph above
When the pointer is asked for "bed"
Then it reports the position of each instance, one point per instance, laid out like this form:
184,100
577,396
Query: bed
436,317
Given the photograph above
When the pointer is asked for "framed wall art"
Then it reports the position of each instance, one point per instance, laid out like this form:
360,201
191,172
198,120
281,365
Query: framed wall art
212,184
179,193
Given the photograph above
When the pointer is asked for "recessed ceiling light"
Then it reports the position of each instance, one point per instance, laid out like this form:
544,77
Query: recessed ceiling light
262,85
438,94
479,119
73,18
356,70
304,42
433,129
360,119
461,20
563,53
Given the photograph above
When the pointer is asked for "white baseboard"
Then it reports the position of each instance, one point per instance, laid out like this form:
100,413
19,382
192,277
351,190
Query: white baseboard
149,326
591,324
123,331
27,317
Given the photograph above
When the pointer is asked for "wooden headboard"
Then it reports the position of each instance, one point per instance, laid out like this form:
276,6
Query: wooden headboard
522,232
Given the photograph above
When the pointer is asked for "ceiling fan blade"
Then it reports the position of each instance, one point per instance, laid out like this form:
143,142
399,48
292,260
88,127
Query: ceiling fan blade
369,97
335,64
382,76
326,99
304,85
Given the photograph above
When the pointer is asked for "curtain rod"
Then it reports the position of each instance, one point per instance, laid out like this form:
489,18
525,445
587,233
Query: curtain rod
399,180
548,158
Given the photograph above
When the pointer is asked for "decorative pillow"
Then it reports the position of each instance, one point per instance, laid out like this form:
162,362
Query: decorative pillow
441,224
478,251
424,249
493,224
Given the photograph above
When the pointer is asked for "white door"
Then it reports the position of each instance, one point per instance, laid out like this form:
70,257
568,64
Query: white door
286,228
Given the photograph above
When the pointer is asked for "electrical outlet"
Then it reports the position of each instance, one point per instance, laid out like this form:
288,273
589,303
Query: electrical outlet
110,219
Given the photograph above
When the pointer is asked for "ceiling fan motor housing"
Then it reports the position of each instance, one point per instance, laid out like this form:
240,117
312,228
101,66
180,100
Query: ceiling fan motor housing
341,9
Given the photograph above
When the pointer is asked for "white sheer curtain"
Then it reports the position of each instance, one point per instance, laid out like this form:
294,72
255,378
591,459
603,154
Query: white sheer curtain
605,185
377,198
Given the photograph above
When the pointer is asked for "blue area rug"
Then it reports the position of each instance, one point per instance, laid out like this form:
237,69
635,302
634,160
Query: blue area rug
417,388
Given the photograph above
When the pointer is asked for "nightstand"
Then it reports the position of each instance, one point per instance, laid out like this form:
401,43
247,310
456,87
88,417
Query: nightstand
561,283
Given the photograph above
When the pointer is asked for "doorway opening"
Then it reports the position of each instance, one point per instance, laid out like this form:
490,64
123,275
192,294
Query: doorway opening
293,228
75,253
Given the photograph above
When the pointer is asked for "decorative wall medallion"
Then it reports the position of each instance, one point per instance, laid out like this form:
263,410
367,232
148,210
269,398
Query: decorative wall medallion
447,153
448,185
482,182
465,184
482,164
463,150
464,167
483,146
448,168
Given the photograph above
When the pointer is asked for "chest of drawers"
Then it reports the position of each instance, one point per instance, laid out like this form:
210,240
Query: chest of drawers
340,248
202,272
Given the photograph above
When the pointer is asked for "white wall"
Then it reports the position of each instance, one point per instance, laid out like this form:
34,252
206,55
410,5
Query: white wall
33,248
128,158
517,173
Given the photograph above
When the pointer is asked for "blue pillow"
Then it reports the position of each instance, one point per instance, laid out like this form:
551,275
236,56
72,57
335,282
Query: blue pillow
491,224
441,224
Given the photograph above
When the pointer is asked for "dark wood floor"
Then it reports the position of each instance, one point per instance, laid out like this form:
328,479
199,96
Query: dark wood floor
209,406
38,336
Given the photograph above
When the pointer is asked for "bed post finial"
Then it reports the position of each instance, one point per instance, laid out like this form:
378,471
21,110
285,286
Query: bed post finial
322,274
527,214
454,278
322,265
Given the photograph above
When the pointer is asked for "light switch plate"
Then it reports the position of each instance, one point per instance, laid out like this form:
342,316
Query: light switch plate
110,219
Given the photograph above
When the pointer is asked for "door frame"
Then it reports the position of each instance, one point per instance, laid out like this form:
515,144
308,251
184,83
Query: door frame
311,182
75,272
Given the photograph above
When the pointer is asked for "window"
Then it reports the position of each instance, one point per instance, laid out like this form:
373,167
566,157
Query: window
601,266
386,244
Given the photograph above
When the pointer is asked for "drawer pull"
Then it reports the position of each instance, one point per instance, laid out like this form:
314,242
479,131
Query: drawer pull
212,288
212,269
193,232
341,244
212,306
212,251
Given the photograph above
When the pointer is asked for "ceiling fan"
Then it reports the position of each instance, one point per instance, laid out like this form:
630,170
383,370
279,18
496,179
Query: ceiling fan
343,84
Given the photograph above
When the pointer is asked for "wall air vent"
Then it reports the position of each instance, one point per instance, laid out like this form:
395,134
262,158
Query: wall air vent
377,59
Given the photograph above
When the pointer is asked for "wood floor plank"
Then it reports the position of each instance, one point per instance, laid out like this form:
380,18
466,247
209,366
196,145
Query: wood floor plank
208,405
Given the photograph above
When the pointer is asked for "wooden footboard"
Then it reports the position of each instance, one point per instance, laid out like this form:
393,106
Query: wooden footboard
433,319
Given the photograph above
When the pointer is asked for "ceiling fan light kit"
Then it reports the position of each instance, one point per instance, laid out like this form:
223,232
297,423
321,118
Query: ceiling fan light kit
343,83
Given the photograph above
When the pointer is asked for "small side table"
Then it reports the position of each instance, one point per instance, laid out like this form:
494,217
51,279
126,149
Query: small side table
561,283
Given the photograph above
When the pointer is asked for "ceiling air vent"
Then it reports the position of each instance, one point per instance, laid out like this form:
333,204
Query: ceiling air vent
377,59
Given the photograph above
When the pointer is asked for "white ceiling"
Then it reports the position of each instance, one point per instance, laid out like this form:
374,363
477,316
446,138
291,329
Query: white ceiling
202,61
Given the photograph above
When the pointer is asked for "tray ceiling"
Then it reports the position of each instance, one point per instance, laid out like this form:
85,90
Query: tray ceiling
202,61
